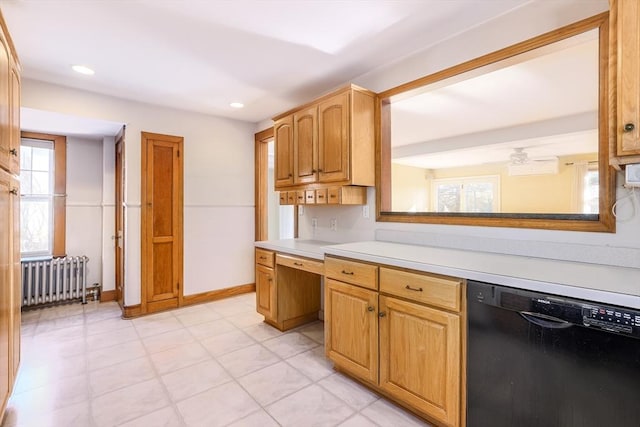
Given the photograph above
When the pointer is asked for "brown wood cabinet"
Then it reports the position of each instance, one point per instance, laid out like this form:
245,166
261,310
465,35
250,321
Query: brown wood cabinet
287,289
283,148
265,284
341,195
10,280
625,39
332,141
399,331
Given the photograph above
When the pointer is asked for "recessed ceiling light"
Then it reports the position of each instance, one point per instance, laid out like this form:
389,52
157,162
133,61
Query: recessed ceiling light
82,69
236,105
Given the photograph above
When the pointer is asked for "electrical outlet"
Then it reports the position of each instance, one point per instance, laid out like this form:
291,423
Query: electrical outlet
365,211
314,223
333,224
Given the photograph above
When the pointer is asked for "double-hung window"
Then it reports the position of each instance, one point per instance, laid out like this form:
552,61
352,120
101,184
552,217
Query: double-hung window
469,194
42,188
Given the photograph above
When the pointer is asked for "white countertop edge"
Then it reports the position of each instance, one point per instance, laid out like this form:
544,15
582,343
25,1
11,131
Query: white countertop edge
613,298
304,248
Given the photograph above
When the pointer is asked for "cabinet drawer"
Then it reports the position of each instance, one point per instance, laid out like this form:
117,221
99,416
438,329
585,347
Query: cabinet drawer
264,257
301,264
353,272
439,291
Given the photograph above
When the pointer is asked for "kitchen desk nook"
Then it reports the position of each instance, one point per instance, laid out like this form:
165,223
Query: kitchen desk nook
396,315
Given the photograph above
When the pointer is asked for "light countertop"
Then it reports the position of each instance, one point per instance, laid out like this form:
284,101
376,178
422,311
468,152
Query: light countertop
607,284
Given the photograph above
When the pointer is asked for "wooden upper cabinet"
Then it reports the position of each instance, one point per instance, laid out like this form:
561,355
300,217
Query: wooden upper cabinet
14,120
305,146
333,139
625,32
283,134
5,126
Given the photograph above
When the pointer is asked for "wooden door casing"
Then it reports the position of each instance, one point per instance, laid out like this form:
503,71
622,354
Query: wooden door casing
305,146
119,219
420,358
283,136
162,241
351,333
334,139
16,276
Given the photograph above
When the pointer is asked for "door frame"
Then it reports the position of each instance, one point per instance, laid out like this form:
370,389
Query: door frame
262,140
146,138
120,208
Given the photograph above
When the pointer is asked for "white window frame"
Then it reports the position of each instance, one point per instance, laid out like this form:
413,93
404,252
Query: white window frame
462,181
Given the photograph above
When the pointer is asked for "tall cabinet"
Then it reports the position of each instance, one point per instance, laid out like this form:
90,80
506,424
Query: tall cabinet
10,293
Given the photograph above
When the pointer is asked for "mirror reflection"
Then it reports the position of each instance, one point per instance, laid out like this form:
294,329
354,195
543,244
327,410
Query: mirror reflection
519,136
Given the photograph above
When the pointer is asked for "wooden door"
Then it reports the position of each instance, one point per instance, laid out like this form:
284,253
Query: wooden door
14,120
333,139
305,146
162,246
628,74
266,292
420,358
119,219
15,276
5,292
351,328
283,168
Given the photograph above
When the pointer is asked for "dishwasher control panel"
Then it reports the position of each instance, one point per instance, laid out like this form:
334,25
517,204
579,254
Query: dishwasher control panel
612,319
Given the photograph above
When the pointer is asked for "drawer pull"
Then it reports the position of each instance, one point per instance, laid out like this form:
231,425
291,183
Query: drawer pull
299,264
370,308
382,314
413,289
350,273
263,257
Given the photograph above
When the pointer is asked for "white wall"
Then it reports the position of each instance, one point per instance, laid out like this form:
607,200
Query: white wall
620,248
218,183
84,203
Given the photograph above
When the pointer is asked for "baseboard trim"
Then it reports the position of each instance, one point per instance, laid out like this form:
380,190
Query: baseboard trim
131,311
106,296
218,294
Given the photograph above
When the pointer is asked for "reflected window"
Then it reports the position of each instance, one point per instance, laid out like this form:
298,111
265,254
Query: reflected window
480,194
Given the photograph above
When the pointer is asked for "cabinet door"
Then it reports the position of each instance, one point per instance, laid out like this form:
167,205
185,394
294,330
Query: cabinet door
14,120
283,134
265,292
5,145
351,328
420,358
305,146
16,278
5,290
333,139
628,33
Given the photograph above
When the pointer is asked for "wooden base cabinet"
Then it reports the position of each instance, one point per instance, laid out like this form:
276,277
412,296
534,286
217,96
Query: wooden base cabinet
404,339
287,289
420,357
351,328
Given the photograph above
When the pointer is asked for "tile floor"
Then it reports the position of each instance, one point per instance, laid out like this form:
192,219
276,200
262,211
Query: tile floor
215,364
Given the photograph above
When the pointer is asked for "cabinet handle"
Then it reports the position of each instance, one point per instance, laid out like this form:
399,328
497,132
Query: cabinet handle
313,171
629,127
299,264
270,279
413,289
14,152
350,273
14,191
382,314
370,308
263,257
319,170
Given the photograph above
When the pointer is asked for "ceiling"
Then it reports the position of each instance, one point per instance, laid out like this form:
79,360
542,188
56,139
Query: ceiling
202,55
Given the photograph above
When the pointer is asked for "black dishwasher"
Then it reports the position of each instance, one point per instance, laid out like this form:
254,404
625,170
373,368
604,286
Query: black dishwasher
536,360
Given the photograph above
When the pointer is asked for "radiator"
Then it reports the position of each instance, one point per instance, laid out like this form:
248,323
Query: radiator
54,280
